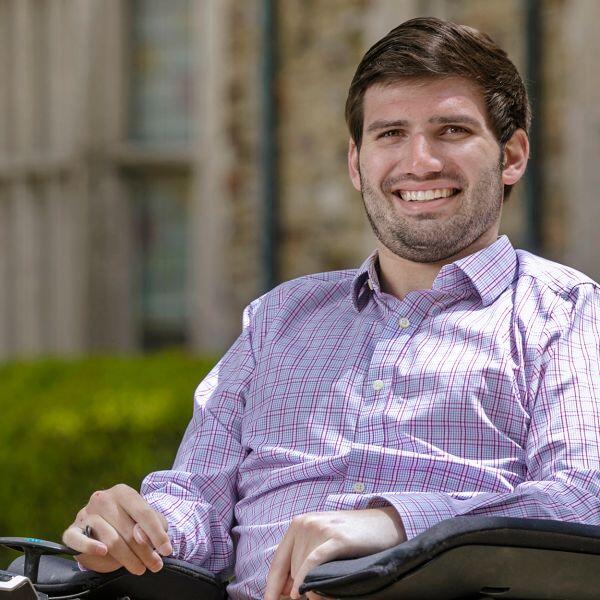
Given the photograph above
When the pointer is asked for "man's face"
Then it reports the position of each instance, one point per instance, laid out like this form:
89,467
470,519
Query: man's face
429,169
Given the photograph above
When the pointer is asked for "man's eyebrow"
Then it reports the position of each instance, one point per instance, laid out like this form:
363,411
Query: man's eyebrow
382,124
451,119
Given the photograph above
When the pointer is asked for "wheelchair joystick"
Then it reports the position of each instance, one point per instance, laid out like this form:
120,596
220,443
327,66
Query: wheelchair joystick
34,549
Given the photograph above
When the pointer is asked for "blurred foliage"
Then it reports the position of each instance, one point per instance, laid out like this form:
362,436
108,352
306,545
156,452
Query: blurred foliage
71,427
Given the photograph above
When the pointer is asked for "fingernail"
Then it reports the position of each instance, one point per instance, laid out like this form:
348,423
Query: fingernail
137,535
166,549
158,563
102,549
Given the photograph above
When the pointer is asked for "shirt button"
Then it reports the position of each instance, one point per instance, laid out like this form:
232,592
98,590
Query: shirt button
378,385
359,487
403,322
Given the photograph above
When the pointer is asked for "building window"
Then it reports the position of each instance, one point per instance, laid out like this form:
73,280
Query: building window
161,77
157,164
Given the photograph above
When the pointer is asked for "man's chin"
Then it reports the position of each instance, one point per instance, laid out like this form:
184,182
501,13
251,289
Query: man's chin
425,253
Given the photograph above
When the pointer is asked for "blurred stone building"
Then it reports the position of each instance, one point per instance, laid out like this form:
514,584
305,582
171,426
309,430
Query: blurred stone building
141,202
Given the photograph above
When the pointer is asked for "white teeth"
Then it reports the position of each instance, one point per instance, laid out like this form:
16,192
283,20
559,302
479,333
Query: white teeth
421,196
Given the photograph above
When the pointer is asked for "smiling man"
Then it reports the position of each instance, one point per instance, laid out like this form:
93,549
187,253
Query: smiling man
449,375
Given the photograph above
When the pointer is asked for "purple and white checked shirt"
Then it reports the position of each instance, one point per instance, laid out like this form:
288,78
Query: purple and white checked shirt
480,396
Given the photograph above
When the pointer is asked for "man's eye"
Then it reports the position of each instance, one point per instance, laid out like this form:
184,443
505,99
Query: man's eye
455,130
390,133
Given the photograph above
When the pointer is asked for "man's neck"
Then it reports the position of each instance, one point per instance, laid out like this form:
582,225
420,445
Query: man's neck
398,276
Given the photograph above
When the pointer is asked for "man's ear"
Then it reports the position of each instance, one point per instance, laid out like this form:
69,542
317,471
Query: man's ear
515,156
353,165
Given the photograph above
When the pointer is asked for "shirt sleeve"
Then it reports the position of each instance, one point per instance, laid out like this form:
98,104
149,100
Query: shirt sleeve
563,443
197,496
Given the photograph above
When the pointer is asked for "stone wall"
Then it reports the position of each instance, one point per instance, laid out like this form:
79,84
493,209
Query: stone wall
322,223
242,133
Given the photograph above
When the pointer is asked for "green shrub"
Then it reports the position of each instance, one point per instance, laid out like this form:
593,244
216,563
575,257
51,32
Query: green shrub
71,427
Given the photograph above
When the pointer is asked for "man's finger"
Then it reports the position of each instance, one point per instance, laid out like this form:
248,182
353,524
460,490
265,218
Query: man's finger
118,548
280,568
152,523
287,588
327,551
140,536
76,539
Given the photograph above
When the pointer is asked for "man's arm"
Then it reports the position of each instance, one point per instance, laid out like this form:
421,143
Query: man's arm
188,510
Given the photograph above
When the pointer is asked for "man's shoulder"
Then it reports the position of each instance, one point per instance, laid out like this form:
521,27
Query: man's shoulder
316,287
307,293
325,278
552,276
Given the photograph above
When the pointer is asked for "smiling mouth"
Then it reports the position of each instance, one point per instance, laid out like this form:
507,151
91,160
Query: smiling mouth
425,195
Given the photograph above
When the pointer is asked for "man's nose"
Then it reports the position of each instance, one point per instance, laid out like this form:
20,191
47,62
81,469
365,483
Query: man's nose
422,157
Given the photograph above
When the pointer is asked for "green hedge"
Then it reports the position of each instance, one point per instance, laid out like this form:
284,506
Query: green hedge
71,427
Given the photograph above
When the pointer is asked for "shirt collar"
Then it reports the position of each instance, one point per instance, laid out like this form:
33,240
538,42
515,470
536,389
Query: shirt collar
490,271
487,272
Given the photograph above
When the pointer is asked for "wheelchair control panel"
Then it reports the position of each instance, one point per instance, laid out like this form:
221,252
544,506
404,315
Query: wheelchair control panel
17,587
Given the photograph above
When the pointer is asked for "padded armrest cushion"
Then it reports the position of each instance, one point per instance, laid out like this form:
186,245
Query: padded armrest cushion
369,575
177,579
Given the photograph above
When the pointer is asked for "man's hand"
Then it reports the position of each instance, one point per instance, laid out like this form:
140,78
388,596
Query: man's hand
125,531
316,538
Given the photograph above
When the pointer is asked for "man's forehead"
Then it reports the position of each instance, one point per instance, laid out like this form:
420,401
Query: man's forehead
431,97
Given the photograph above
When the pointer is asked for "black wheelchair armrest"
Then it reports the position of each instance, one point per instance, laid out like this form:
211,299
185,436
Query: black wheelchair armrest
62,578
474,557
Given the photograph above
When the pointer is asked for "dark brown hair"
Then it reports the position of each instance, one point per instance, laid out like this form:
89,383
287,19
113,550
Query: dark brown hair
429,47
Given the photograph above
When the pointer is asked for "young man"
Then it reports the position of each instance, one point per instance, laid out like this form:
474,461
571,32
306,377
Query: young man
448,375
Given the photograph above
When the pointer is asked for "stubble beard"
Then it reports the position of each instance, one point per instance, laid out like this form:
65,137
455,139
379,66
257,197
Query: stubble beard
427,238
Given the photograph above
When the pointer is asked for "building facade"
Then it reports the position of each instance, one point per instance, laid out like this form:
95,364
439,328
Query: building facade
132,156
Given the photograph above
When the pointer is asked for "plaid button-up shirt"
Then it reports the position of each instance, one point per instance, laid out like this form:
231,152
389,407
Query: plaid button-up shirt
479,396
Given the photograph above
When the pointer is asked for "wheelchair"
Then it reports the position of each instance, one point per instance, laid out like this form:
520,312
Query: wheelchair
464,558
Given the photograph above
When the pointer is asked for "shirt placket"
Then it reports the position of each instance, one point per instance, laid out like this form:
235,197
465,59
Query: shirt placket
403,320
